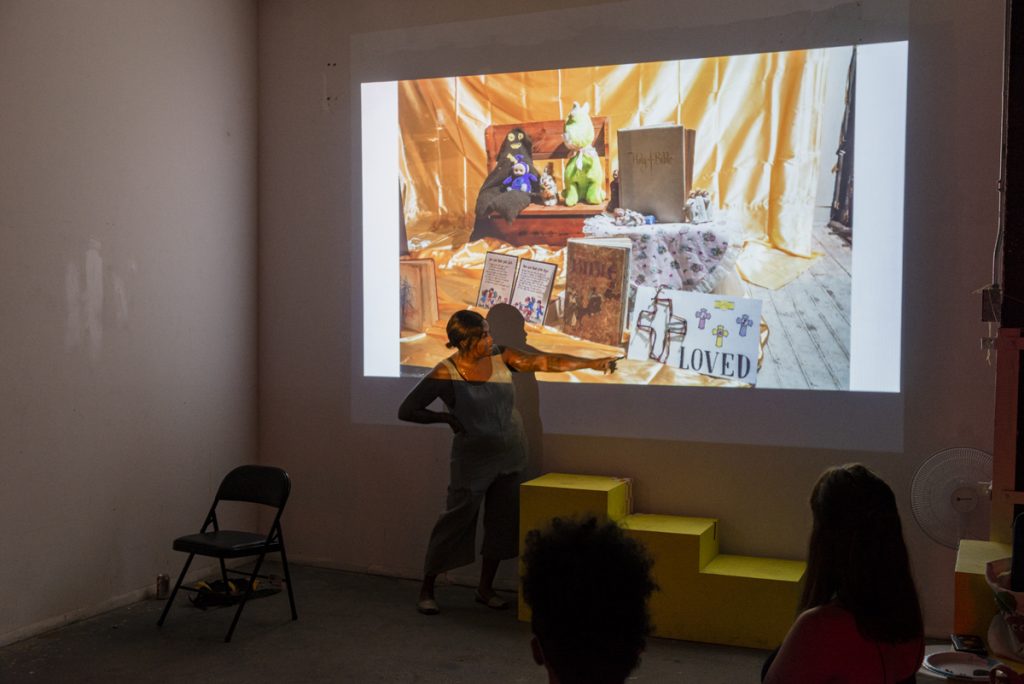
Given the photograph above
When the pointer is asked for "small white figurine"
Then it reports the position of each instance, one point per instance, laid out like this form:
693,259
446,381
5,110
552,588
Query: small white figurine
548,187
698,207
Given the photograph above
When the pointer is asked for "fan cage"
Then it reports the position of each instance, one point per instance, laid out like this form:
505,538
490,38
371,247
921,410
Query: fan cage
939,481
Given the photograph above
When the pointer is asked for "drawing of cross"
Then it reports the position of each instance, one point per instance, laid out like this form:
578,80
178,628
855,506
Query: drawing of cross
674,328
745,322
720,332
703,315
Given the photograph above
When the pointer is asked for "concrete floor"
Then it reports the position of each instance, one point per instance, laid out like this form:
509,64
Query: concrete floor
351,628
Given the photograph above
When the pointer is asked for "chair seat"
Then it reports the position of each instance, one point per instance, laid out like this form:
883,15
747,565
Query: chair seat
225,544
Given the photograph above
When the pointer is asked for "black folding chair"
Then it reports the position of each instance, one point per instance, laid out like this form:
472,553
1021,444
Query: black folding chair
253,484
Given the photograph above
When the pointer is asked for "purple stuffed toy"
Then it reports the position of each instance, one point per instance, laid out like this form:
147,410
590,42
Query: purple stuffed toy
520,178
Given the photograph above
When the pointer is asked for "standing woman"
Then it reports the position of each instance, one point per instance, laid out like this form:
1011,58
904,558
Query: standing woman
488,448
860,619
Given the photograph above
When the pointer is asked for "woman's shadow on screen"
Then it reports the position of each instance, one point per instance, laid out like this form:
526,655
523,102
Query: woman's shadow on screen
508,330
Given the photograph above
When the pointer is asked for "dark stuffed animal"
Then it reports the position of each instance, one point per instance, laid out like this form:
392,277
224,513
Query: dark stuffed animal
515,148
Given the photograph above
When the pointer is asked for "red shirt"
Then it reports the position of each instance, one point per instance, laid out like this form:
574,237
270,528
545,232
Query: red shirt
824,646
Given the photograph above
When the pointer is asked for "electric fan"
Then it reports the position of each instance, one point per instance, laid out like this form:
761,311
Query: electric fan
950,495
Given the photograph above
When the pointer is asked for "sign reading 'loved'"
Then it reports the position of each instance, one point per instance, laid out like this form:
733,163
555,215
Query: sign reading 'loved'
715,335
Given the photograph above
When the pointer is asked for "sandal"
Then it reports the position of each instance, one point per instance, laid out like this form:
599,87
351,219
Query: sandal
428,606
495,602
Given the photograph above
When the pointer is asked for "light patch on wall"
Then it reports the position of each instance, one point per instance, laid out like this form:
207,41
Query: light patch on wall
85,301
120,299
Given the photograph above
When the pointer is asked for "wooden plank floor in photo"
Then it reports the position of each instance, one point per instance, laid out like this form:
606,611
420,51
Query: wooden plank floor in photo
809,322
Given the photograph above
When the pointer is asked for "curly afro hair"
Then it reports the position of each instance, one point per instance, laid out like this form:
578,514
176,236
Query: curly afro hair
588,585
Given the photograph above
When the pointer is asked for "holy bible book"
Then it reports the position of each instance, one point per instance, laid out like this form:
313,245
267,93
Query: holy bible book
596,288
656,170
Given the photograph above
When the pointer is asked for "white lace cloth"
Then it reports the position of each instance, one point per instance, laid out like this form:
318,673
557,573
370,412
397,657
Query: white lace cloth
679,256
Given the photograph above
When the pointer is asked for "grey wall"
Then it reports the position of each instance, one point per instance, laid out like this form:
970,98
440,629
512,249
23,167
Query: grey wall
366,496
128,281
130,271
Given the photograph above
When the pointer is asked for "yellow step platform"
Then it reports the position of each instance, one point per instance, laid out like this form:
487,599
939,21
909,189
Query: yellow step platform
560,495
712,597
703,596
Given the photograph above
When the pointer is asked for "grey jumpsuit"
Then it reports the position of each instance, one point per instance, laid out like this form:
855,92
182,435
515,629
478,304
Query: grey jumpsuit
487,461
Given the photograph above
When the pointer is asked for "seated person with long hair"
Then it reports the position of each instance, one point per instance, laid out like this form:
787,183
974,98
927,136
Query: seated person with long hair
587,586
860,620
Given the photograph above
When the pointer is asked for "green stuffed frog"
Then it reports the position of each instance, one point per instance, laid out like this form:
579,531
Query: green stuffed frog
584,174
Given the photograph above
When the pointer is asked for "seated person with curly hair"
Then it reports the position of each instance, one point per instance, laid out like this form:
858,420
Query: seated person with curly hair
587,585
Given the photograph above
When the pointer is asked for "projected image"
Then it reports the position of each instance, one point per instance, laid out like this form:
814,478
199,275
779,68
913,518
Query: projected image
695,217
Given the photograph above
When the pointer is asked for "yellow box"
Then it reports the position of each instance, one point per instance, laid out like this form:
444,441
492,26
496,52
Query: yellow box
747,601
974,606
680,547
560,495
704,596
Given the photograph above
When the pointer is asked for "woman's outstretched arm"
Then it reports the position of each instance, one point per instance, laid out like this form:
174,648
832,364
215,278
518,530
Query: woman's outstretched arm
529,362
435,385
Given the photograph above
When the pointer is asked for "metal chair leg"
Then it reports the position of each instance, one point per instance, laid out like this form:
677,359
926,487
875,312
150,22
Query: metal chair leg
288,581
245,597
174,592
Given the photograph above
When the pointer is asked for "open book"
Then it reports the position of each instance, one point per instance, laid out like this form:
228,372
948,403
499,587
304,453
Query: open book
524,283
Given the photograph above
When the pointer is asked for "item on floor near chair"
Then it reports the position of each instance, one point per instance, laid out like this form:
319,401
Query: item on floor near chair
163,585
218,593
656,170
264,485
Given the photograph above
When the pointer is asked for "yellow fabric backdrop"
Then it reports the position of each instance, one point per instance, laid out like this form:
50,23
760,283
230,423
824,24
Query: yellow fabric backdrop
757,117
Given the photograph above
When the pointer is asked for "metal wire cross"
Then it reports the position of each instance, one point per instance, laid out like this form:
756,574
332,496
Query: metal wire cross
675,327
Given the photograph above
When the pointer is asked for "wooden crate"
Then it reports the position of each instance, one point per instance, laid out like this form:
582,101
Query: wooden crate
540,224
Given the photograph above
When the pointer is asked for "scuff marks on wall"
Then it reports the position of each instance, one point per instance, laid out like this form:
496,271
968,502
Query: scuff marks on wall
84,292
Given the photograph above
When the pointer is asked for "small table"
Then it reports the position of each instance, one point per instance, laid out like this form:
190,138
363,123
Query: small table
680,256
